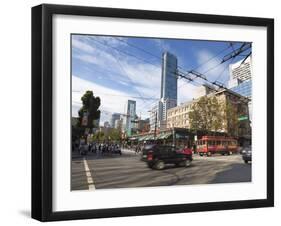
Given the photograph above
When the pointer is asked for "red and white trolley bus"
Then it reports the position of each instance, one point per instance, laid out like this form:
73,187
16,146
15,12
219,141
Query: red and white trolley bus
214,144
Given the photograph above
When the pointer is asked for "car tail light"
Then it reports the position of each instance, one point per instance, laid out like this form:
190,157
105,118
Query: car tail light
149,156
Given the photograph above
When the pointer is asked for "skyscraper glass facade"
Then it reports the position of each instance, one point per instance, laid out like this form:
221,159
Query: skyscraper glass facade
169,76
131,115
244,88
114,117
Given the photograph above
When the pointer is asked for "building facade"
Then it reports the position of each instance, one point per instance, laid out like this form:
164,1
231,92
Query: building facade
241,80
114,117
178,117
130,116
168,95
169,76
241,70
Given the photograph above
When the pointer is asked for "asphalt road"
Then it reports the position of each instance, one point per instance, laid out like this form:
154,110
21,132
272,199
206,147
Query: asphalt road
127,170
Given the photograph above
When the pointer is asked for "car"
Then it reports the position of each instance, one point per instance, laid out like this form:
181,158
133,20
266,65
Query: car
247,154
157,156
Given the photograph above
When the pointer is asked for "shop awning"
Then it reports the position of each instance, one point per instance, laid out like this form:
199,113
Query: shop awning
165,135
150,137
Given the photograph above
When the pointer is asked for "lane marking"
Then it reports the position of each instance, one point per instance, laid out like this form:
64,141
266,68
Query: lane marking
90,179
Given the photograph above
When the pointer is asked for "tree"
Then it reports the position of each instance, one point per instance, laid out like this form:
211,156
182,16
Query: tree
231,117
115,134
206,114
99,136
90,106
211,115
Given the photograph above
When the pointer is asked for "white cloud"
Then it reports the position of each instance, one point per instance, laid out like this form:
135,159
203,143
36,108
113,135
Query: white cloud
162,45
186,91
78,44
142,79
203,57
111,100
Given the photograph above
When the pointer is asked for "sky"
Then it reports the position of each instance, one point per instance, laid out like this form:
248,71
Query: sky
121,68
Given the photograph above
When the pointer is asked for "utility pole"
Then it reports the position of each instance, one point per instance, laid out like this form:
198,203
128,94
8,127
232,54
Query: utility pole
155,125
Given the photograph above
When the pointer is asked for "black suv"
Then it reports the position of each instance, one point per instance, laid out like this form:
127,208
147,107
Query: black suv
156,156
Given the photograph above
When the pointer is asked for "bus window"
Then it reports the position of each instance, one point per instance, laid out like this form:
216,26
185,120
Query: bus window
211,142
218,142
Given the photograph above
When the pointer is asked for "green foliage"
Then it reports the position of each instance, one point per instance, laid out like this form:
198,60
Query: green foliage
231,117
90,106
206,114
112,135
210,115
99,136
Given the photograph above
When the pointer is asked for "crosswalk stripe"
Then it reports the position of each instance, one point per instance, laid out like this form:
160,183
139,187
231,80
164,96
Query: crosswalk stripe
90,179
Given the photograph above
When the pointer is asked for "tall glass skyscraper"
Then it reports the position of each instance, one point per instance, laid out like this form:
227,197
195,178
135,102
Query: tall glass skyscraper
169,76
241,79
130,116
244,88
169,84
114,117
169,91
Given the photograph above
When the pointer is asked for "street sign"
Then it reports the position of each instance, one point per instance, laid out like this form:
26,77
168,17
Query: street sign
242,118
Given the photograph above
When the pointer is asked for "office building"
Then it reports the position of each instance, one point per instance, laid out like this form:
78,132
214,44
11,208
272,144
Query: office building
169,76
241,70
114,117
241,79
130,116
168,96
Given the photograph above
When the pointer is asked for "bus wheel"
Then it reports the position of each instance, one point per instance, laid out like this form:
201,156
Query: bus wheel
230,153
201,154
209,153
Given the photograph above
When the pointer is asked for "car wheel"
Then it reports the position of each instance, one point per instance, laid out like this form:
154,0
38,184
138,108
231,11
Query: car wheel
201,154
246,161
159,165
186,163
150,165
230,153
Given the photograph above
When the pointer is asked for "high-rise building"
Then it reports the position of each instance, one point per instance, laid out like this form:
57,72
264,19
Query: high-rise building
106,124
118,124
114,117
241,70
154,117
241,79
130,116
169,80
169,87
169,92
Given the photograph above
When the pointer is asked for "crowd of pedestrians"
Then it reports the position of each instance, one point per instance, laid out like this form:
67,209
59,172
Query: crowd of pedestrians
99,148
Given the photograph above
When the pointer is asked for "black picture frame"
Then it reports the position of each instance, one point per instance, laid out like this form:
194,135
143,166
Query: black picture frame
42,111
